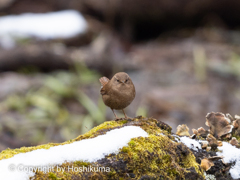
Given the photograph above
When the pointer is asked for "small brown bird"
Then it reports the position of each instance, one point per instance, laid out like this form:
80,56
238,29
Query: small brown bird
118,92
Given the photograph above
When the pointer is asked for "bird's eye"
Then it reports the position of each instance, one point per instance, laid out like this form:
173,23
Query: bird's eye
126,80
118,80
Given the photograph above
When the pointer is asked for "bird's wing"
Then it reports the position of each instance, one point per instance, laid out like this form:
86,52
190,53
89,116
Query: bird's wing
103,81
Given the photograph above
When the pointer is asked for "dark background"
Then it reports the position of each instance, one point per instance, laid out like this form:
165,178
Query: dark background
183,57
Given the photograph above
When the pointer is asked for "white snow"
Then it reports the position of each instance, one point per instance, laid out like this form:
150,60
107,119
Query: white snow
86,150
190,143
62,24
231,154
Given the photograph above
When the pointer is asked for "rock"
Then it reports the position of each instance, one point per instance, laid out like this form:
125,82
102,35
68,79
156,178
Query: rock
158,156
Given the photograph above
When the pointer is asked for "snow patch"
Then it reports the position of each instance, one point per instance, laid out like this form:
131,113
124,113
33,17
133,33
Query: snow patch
190,143
85,150
231,154
62,24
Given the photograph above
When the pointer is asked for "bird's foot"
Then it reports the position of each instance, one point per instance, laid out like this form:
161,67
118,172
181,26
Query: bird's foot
119,119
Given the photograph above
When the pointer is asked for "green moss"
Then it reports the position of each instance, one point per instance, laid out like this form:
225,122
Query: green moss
101,129
157,156
8,153
236,136
52,176
82,163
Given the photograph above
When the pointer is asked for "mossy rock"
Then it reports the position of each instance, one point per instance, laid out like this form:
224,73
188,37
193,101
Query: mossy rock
158,156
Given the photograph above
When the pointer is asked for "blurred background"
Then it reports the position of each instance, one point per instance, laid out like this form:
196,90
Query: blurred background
183,57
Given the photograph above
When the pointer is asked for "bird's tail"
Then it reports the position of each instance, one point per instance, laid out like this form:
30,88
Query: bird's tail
103,81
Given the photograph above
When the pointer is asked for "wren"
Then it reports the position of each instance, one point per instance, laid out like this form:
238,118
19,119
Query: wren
118,92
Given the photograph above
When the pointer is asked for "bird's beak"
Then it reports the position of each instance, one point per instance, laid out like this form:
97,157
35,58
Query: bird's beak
122,82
